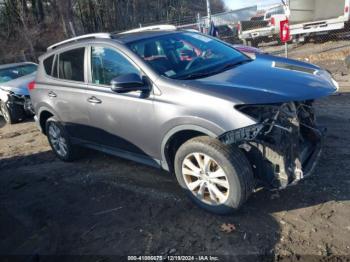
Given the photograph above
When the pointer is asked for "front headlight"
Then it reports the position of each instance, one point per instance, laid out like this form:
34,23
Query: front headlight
335,83
259,112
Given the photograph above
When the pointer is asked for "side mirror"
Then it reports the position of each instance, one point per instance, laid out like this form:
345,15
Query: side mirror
128,83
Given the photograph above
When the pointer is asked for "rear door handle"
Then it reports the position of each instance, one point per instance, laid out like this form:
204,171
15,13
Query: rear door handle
94,100
52,94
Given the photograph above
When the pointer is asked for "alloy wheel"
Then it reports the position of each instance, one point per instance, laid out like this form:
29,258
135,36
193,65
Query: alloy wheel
57,140
205,178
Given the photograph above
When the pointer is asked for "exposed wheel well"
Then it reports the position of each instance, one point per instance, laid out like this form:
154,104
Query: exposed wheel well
43,118
175,141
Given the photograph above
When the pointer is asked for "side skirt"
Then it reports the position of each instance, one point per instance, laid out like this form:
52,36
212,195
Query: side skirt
119,153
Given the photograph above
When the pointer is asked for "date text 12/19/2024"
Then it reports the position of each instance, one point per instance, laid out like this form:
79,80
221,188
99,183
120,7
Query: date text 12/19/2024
173,258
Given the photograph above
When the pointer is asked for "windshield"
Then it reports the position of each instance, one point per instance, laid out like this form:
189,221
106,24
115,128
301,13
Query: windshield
187,55
15,72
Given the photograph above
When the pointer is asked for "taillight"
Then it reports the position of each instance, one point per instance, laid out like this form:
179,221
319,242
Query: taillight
346,9
272,21
31,85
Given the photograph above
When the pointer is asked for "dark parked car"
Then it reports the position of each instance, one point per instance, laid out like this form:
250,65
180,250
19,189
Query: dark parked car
15,102
190,104
228,33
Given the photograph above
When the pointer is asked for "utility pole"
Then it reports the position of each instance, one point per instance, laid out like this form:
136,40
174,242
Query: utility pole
209,12
199,20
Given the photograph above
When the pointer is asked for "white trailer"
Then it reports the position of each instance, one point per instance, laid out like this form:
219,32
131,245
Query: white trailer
317,17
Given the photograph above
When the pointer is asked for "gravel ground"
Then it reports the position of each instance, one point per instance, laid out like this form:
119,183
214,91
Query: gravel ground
106,206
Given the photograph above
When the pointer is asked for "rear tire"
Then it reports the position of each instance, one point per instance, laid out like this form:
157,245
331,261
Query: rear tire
60,141
12,113
226,170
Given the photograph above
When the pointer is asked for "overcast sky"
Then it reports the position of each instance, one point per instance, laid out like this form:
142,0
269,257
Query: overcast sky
236,4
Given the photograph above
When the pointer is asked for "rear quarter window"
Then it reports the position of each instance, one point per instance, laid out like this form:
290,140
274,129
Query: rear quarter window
48,65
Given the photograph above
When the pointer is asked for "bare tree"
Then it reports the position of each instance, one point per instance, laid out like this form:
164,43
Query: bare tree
66,14
52,20
23,17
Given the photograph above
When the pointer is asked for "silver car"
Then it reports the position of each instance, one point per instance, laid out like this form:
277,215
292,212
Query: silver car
15,81
185,102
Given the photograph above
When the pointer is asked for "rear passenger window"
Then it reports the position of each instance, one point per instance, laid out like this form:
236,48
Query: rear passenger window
71,65
48,65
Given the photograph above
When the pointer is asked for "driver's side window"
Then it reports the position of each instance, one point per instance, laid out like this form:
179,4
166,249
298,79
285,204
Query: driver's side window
107,63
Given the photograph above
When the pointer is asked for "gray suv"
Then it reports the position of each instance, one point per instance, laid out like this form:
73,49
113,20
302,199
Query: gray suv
185,102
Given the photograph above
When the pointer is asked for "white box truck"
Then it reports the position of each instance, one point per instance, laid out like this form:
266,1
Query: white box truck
318,17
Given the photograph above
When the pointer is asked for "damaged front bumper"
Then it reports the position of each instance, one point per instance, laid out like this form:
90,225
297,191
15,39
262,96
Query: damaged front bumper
284,147
13,99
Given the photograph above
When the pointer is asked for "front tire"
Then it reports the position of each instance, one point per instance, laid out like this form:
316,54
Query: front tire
60,141
217,177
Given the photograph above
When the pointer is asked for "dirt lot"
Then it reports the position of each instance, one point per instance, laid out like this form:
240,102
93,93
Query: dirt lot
106,206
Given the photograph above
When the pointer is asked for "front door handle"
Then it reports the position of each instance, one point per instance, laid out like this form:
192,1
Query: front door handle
94,100
52,94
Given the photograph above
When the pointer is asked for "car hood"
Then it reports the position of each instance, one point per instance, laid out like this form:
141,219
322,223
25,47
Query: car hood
19,86
268,79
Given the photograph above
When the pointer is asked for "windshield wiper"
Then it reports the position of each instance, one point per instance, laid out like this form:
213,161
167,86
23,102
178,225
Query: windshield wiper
225,67
197,75
232,65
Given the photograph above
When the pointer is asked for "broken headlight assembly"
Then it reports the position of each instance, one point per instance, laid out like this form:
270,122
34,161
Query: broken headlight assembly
284,144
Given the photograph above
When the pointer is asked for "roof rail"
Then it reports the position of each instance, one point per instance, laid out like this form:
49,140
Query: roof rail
82,37
151,28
